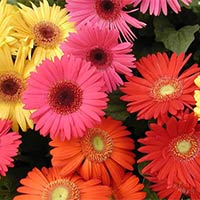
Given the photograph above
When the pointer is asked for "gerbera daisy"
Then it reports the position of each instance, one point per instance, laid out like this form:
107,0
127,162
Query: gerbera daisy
9,143
101,48
156,6
6,29
173,151
176,191
48,184
104,13
66,96
12,84
43,27
164,88
128,188
103,151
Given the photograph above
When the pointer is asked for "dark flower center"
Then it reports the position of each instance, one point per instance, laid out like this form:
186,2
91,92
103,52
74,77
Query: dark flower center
99,58
108,9
11,87
47,34
65,97
107,6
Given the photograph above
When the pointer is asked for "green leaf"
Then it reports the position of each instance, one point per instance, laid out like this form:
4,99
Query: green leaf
175,40
14,2
116,108
195,6
150,194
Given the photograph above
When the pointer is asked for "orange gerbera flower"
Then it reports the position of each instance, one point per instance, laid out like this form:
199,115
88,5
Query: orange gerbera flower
49,184
102,152
128,188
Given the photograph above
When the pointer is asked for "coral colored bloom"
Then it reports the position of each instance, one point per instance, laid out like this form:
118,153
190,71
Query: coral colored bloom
164,88
128,188
13,76
66,96
101,48
9,143
176,191
104,13
173,150
43,28
46,184
102,152
158,6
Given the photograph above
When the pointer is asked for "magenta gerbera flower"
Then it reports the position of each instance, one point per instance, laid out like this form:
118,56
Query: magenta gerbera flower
67,97
104,13
156,6
101,48
9,143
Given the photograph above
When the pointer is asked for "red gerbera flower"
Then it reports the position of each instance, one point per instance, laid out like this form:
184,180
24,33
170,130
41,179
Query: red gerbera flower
49,184
9,143
101,48
176,190
128,188
164,87
173,150
102,152
104,13
66,96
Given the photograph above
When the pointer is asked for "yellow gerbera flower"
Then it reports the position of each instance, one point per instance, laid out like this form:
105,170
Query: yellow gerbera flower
45,28
7,12
197,97
12,83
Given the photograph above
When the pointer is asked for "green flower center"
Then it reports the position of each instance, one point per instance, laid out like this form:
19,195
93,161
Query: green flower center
98,143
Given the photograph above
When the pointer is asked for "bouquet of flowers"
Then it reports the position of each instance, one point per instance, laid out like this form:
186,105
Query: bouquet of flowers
99,99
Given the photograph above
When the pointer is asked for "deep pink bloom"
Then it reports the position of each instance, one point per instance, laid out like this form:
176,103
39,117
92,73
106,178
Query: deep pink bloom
104,13
156,6
101,48
9,143
66,96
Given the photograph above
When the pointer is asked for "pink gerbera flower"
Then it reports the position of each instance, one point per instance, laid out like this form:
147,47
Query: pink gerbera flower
67,97
156,6
101,48
9,143
104,13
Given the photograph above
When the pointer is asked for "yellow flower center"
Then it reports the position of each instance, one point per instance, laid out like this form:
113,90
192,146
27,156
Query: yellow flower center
60,193
96,145
11,87
166,89
61,189
47,34
185,147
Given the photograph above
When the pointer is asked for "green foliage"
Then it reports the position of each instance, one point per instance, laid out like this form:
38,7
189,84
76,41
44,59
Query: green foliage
175,40
116,107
